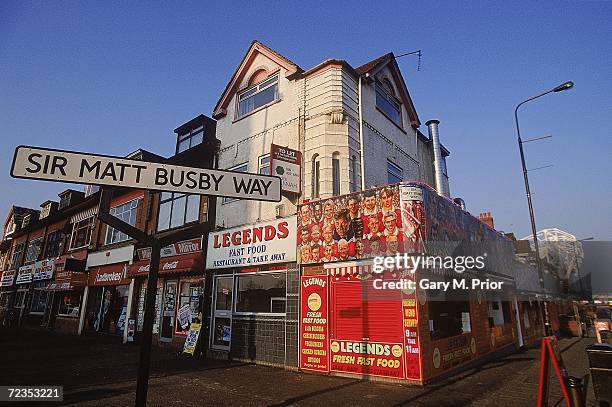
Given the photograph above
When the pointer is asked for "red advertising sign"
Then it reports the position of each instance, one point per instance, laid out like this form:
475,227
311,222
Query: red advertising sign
367,358
314,335
175,249
410,312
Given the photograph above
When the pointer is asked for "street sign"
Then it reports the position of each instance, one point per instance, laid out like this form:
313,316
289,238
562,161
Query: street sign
81,168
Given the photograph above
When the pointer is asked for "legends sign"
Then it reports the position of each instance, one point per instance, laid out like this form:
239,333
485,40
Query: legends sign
80,168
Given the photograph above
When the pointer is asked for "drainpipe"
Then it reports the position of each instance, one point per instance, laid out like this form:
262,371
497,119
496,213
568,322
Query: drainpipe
83,310
361,138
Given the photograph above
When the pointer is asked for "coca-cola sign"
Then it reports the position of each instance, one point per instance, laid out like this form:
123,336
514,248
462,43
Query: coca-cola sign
176,249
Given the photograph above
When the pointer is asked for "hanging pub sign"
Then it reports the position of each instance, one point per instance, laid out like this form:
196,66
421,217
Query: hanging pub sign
25,274
286,164
261,243
81,168
43,270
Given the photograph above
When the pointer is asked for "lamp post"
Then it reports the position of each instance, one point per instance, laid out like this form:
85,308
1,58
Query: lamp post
562,87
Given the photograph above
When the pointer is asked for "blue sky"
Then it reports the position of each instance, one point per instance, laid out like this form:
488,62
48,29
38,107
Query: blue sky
110,79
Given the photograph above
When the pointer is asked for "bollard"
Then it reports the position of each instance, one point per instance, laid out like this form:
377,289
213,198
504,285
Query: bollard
576,391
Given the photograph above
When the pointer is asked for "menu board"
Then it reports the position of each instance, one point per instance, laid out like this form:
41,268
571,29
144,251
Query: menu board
314,352
411,331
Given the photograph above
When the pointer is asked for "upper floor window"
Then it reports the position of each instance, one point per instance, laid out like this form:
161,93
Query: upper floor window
33,251
257,96
54,241
394,173
81,233
264,164
177,210
335,174
239,168
190,139
17,258
388,103
125,212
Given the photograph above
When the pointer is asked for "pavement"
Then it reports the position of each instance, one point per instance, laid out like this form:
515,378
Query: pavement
100,371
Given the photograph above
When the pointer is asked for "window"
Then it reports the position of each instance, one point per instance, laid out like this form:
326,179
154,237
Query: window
69,304
335,174
388,104
257,96
81,233
177,210
264,164
449,318
499,312
127,213
33,251
190,294
54,241
239,168
261,293
64,201
39,297
21,298
394,173
17,259
316,176
190,139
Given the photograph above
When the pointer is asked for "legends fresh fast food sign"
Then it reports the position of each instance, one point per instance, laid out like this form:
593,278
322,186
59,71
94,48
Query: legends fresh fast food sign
80,168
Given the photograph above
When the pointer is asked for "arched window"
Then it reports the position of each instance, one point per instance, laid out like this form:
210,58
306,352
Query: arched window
258,76
336,174
316,176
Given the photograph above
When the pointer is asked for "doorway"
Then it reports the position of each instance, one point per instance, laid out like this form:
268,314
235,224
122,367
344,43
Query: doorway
222,312
168,313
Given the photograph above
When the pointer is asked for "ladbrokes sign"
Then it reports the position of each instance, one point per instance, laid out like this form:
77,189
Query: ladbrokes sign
260,243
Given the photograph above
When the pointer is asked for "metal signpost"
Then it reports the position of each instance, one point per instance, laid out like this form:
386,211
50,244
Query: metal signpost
81,168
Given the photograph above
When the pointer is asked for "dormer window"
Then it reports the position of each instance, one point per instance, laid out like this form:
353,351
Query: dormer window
387,102
64,201
26,220
258,96
190,138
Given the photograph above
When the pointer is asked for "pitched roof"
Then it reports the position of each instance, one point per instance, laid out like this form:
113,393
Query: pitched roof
232,86
368,66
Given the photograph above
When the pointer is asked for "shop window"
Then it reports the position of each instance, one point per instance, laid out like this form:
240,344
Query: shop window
125,212
4,299
69,304
239,168
499,312
190,138
81,233
261,293
21,299
264,164
39,297
54,241
33,251
388,103
258,96
176,210
190,294
449,318
394,173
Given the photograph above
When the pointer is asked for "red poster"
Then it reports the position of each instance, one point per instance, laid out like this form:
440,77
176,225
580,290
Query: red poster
314,352
367,358
410,313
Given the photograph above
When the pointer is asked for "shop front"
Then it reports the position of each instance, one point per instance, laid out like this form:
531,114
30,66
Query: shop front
65,292
180,290
401,323
108,291
36,313
254,312
7,296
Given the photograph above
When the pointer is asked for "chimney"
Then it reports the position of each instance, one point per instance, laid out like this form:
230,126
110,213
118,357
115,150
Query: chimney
486,217
441,186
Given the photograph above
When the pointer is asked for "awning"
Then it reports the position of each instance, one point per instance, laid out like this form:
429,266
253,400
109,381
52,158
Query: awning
170,265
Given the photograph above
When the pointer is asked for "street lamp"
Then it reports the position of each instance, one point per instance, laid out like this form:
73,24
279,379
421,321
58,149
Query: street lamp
562,87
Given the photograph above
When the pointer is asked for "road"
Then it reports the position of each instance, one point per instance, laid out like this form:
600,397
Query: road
99,371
